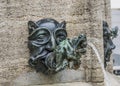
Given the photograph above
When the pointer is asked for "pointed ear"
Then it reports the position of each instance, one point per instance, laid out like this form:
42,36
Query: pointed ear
63,24
105,24
31,26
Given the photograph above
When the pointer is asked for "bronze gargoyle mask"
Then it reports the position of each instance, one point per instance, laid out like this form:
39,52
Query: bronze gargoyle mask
50,50
108,35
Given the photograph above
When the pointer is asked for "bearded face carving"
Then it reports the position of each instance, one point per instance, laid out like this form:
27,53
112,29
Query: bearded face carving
45,37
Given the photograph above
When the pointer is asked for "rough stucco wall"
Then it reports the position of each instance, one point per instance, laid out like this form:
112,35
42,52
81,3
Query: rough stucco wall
82,16
108,19
106,15
106,11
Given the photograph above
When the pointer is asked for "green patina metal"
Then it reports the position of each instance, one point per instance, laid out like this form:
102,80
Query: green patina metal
108,35
68,53
50,49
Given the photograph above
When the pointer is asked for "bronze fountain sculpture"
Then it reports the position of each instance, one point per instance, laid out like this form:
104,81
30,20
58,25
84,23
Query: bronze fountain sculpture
50,49
108,35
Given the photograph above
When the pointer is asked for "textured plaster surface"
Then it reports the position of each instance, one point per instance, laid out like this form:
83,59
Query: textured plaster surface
82,16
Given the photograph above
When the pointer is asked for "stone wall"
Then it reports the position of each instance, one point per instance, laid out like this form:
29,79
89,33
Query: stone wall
106,11
82,16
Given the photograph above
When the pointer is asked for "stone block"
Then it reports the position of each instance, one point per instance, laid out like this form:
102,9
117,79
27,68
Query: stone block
33,78
82,16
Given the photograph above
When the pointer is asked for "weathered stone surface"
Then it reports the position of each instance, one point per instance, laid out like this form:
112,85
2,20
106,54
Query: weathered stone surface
69,84
106,11
106,15
33,78
98,84
82,16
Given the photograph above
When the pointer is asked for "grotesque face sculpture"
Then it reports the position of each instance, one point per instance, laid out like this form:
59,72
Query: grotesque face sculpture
44,36
108,35
50,51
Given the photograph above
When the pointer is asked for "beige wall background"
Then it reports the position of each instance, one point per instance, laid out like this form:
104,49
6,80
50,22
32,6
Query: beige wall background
82,16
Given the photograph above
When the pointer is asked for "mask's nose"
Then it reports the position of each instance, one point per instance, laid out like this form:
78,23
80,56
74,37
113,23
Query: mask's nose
112,46
51,44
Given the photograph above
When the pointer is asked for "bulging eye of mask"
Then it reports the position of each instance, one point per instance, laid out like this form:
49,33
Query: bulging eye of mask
60,35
